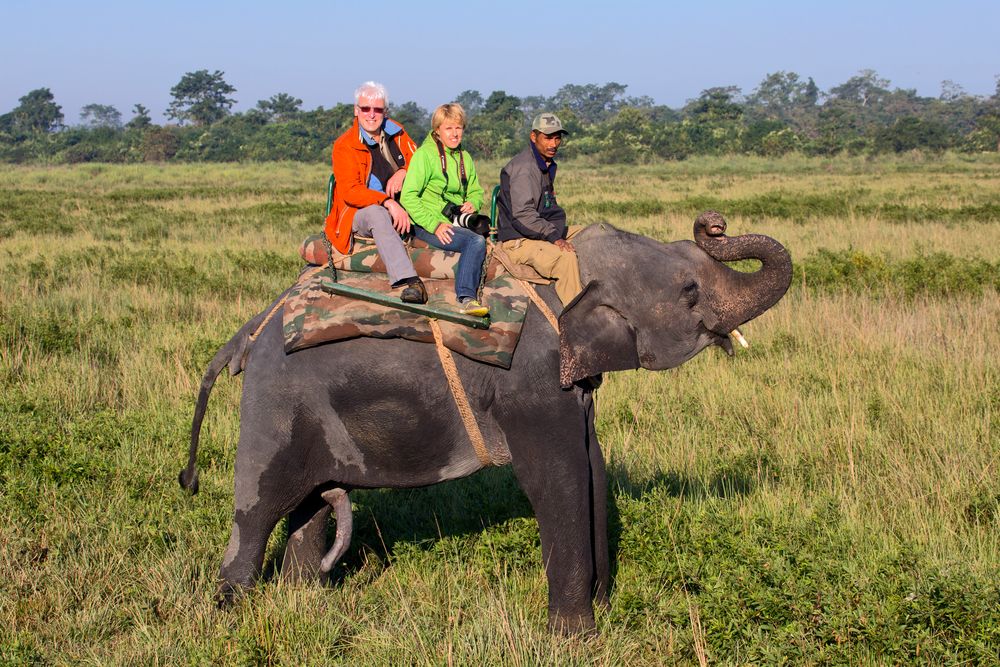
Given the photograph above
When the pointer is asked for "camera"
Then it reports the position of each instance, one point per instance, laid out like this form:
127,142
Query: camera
475,222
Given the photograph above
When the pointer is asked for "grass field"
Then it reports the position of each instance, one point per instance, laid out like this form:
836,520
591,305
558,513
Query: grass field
829,496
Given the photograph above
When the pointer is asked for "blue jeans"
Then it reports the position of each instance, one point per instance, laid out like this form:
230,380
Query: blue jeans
472,251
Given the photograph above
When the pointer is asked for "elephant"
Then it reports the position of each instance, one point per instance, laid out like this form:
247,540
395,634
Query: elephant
377,413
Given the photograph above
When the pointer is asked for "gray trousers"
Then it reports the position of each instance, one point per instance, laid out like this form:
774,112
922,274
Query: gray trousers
376,223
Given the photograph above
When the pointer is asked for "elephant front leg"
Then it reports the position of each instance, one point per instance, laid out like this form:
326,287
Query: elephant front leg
569,565
561,500
599,504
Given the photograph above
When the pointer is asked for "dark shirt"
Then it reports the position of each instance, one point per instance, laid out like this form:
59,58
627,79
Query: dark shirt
382,169
549,168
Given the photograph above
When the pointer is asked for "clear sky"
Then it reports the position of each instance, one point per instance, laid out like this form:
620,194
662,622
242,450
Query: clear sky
120,53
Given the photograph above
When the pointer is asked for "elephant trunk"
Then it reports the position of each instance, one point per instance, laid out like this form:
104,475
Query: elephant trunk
739,297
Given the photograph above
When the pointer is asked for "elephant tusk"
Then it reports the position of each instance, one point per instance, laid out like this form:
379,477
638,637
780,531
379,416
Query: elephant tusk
739,338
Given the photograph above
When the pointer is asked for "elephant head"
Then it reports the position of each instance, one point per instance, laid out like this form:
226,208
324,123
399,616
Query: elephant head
652,305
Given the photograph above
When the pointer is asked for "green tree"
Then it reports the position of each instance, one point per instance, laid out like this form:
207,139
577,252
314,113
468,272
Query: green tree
280,107
716,104
757,131
101,115
159,144
837,128
714,121
37,112
471,101
780,95
911,133
414,117
951,91
986,135
864,89
140,118
201,97
811,94
498,128
591,103
627,137
533,105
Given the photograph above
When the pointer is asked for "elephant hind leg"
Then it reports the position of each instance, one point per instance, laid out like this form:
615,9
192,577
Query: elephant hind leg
306,555
306,540
341,504
244,557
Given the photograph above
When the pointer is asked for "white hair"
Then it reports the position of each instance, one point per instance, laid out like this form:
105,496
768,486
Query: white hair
371,90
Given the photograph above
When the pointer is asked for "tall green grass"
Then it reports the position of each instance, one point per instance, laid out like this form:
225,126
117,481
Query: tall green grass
830,495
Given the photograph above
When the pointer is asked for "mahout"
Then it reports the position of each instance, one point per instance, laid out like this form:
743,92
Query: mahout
372,413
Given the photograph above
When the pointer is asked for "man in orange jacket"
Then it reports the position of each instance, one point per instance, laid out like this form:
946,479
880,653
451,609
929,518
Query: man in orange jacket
369,165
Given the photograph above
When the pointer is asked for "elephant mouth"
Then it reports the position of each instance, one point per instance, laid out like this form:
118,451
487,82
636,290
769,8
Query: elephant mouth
709,338
726,343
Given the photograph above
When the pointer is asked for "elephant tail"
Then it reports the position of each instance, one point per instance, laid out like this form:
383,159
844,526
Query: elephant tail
234,355
188,477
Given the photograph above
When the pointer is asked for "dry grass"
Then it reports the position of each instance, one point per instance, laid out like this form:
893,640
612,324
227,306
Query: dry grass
831,495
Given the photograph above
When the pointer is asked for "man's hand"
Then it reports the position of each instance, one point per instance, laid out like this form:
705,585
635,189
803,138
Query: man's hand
563,244
444,233
467,208
400,218
395,183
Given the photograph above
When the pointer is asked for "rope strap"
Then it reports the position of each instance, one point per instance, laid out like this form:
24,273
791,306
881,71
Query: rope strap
458,393
267,319
542,306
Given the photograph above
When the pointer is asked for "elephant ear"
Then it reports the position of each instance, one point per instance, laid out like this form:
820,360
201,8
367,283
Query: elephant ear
594,337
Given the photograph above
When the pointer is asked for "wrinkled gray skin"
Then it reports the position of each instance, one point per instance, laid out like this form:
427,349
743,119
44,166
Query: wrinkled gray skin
370,413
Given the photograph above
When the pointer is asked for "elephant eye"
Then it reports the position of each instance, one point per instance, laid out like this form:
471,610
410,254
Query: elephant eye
689,292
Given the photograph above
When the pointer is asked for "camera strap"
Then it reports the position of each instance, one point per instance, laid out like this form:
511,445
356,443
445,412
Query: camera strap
461,167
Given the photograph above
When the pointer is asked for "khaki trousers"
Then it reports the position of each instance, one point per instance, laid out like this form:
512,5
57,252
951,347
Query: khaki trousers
550,262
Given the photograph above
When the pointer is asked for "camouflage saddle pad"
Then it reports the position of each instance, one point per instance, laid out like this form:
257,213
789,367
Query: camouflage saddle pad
312,316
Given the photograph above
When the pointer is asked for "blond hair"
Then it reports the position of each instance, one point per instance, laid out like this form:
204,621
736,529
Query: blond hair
451,111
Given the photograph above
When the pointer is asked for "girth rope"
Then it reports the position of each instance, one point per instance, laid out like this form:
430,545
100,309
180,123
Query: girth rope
461,400
542,306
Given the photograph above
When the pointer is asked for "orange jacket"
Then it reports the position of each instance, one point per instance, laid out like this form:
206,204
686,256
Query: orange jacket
352,167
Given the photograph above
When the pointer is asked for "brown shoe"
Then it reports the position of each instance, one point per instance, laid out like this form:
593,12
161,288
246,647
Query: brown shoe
415,292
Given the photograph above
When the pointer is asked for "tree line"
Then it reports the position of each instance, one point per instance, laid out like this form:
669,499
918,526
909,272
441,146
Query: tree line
784,113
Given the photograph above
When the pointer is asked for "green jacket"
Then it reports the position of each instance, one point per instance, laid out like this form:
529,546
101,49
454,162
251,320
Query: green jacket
424,191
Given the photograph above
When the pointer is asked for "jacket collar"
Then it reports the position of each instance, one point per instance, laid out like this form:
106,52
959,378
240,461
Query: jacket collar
390,127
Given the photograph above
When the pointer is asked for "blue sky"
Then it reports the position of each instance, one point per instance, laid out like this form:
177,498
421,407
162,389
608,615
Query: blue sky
120,53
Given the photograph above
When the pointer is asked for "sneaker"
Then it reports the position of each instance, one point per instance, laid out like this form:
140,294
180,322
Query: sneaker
414,292
473,307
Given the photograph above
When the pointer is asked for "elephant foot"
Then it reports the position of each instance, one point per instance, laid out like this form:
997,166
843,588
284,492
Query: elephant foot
228,594
572,624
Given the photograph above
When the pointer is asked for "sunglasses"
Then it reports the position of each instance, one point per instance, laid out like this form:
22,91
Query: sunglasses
368,109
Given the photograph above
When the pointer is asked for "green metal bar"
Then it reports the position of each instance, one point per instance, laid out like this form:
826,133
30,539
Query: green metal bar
394,302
